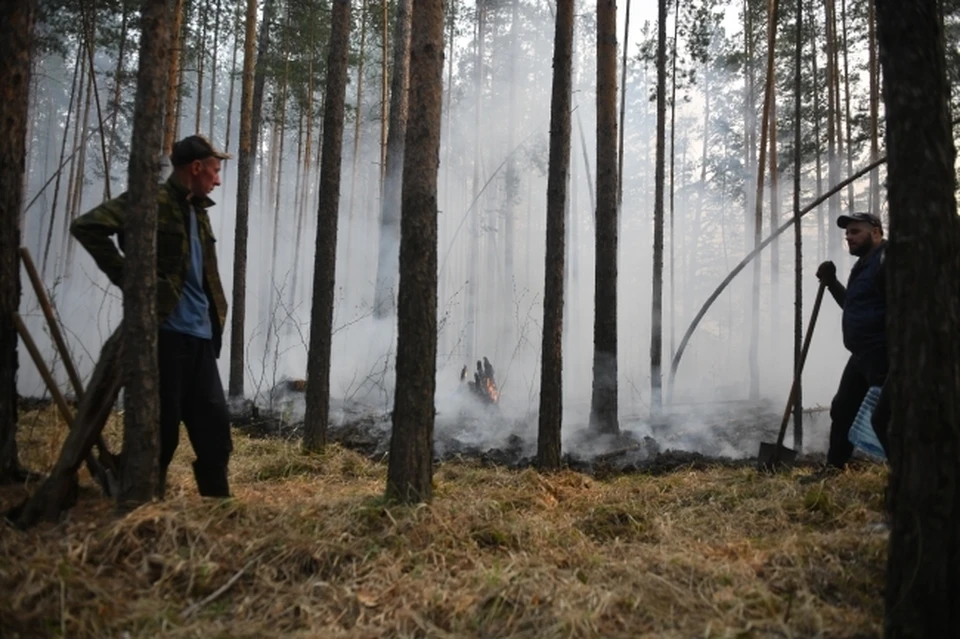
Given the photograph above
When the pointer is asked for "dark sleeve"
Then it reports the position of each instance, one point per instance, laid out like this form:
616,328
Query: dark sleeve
95,230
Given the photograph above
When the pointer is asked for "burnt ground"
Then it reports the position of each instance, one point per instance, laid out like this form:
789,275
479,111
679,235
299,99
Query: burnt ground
686,437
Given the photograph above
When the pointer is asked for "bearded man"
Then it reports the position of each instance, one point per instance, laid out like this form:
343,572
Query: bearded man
864,304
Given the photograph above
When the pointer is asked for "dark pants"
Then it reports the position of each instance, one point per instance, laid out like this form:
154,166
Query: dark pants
860,373
191,392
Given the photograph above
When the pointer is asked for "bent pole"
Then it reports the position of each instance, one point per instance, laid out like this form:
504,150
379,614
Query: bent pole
743,263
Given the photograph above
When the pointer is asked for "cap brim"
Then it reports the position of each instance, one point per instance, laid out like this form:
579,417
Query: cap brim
844,220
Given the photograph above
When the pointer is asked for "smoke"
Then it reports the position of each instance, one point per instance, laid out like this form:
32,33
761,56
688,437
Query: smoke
491,272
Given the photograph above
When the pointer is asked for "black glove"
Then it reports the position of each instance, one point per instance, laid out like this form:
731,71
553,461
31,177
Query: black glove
827,272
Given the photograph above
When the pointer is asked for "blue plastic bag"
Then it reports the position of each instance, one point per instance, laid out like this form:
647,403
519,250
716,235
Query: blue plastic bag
862,434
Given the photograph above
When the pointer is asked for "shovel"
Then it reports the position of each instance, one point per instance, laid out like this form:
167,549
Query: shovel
773,455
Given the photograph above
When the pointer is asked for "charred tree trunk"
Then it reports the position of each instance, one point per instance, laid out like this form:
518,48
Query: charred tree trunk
141,419
16,45
551,379
673,173
410,473
923,568
245,161
387,262
603,403
325,261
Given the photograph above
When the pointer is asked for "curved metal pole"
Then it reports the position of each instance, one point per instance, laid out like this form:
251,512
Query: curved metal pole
743,263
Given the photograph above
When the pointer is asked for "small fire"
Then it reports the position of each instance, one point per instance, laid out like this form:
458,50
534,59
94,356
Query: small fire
484,386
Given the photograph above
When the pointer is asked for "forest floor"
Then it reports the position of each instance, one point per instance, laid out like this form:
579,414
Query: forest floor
307,547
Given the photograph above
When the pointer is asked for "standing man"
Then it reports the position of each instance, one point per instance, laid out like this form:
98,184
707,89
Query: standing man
191,307
864,304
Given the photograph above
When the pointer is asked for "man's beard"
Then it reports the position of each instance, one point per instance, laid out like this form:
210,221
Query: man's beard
864,248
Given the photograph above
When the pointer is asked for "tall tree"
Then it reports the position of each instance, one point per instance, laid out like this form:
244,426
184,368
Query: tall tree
141,418
325,259
16,43
923,570
245,158
551,377
173,83
410,472
656,324
603,404
797,232
387,262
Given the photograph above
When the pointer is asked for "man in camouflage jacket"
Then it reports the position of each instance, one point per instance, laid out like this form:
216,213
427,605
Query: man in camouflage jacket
191,307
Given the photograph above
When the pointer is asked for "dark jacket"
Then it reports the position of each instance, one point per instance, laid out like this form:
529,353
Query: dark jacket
94,230
865,307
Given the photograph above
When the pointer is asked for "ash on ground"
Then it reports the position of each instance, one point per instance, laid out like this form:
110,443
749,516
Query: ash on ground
683,437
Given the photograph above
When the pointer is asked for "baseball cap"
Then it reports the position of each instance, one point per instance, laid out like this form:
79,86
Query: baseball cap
194,147
844,220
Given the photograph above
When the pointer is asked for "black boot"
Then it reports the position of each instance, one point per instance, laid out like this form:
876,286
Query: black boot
211,480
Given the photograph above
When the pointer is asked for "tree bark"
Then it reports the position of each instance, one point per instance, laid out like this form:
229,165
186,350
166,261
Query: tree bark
410,471
797,233
245,159
387,262
141,417
656,324
325,261
923,566
603,404
873,69
551,378
16,45
173,86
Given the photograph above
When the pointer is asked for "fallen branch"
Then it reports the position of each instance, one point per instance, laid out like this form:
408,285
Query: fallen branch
750,257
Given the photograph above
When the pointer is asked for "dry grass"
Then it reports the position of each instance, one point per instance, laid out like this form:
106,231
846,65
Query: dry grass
308,548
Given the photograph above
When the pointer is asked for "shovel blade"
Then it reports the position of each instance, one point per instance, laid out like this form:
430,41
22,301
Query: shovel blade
773,457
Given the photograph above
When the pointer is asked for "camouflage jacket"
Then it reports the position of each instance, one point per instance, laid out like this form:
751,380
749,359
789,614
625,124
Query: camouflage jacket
95,228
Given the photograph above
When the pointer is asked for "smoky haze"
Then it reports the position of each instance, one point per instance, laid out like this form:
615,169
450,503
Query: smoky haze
492,166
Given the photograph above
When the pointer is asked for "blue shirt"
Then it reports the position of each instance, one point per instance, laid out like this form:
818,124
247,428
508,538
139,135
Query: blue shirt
192,313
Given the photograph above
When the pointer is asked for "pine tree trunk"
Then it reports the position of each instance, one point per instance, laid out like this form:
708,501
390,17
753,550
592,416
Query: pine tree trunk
118,76
797,232
923,566
603,404
673,171
141,417
211,131
846,102
874,71
245,161
16,45
388,255
233,77
833,168
410,471
201,54
384,83
325,261
358,117
63,161
173,86
551,380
